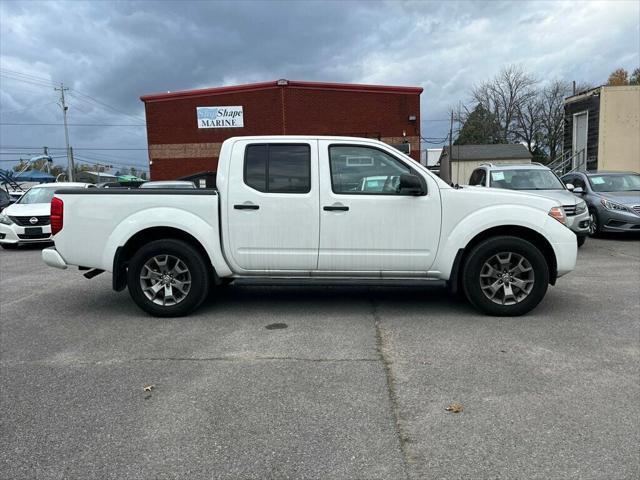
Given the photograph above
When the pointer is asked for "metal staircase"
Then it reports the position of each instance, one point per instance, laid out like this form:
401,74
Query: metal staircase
566,164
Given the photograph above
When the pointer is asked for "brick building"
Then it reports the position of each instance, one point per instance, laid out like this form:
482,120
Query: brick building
185,137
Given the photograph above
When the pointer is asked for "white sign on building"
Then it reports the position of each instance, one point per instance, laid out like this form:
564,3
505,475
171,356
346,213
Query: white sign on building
220,117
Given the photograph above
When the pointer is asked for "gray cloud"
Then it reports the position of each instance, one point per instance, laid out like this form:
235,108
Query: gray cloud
116,52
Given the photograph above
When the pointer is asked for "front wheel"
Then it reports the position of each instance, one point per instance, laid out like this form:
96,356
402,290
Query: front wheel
594,224
505,276
581,240
168,278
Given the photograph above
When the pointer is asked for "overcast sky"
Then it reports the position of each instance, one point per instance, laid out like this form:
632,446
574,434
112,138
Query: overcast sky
110,53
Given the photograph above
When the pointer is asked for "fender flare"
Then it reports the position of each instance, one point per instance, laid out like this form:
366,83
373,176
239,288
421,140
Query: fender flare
207,235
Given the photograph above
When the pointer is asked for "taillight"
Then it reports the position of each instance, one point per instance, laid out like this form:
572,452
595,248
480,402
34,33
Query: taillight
57,215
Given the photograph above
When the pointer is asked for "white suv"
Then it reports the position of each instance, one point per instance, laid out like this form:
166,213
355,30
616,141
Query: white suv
538,179
27,221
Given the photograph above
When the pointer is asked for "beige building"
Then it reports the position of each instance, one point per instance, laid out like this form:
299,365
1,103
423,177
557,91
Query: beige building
602,128
465,158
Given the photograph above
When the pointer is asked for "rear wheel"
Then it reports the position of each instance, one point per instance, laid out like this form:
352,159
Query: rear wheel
168,278
505,276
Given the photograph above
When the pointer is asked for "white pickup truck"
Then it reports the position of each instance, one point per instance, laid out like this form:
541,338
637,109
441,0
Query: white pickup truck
311,208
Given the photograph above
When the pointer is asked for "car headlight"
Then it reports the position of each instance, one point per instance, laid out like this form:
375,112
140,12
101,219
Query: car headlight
5,220
615,207
581,207
558,214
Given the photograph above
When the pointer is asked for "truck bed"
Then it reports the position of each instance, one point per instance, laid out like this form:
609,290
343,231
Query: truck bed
105,218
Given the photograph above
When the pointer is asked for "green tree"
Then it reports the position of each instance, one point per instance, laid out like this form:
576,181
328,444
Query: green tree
635,77
479,128
143,175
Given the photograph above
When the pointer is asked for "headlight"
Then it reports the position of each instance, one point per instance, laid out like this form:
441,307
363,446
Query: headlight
558,214
581,207
4,219
616,207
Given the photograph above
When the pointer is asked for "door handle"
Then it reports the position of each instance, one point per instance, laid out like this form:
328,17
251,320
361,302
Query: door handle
246,206
334,208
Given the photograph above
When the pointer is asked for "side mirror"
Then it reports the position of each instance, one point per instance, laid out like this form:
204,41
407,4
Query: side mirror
410,185
578,190
570,187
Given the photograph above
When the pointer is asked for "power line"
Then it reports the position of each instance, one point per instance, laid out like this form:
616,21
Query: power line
42,82
28,75
88,98
7,147
73,124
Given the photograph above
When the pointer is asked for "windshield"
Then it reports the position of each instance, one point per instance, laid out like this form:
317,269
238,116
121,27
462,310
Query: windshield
524,179
617,182
37,195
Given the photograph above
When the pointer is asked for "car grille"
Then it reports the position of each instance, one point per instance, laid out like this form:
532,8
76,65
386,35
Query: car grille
26,221
36,236
569,210
636,209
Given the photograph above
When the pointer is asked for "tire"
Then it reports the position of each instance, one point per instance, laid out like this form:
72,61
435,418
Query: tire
581,240
9,246
522,260
178,264
594,228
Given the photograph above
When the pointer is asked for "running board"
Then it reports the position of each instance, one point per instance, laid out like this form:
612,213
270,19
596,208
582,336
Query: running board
93,273
334,282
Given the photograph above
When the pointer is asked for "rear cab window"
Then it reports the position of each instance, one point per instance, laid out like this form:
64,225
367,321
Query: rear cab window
278,168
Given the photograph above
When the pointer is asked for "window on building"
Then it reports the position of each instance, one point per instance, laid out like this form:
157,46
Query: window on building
278,168
364,170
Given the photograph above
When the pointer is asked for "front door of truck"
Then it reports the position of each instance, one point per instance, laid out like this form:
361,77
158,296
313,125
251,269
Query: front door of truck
365,225
272,206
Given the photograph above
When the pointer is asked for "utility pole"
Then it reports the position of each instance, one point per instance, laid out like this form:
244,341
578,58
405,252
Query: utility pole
64,107
445,168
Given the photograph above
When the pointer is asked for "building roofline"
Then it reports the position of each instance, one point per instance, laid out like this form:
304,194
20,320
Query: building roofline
583,94
353,87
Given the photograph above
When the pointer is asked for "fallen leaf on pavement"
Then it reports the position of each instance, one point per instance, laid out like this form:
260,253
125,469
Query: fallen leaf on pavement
455,408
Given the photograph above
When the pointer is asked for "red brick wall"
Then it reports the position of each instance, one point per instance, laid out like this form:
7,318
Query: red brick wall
307,111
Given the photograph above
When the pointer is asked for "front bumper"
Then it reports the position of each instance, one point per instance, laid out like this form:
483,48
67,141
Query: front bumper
611,221
51,257
579,224
17,235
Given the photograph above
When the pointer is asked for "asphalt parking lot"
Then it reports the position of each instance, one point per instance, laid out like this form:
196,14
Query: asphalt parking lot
356,386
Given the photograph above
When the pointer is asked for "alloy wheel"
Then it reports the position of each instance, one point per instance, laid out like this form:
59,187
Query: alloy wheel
165,280
507,278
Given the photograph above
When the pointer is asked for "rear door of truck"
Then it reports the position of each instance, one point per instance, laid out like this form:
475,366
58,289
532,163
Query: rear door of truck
272,205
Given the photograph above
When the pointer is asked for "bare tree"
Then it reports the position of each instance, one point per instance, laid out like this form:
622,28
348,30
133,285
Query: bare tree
528,122
505,95
552,116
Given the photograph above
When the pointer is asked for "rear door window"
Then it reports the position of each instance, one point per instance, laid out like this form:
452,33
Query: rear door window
278,168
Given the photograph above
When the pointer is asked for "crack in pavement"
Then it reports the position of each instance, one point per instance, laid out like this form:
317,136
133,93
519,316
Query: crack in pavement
383,348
